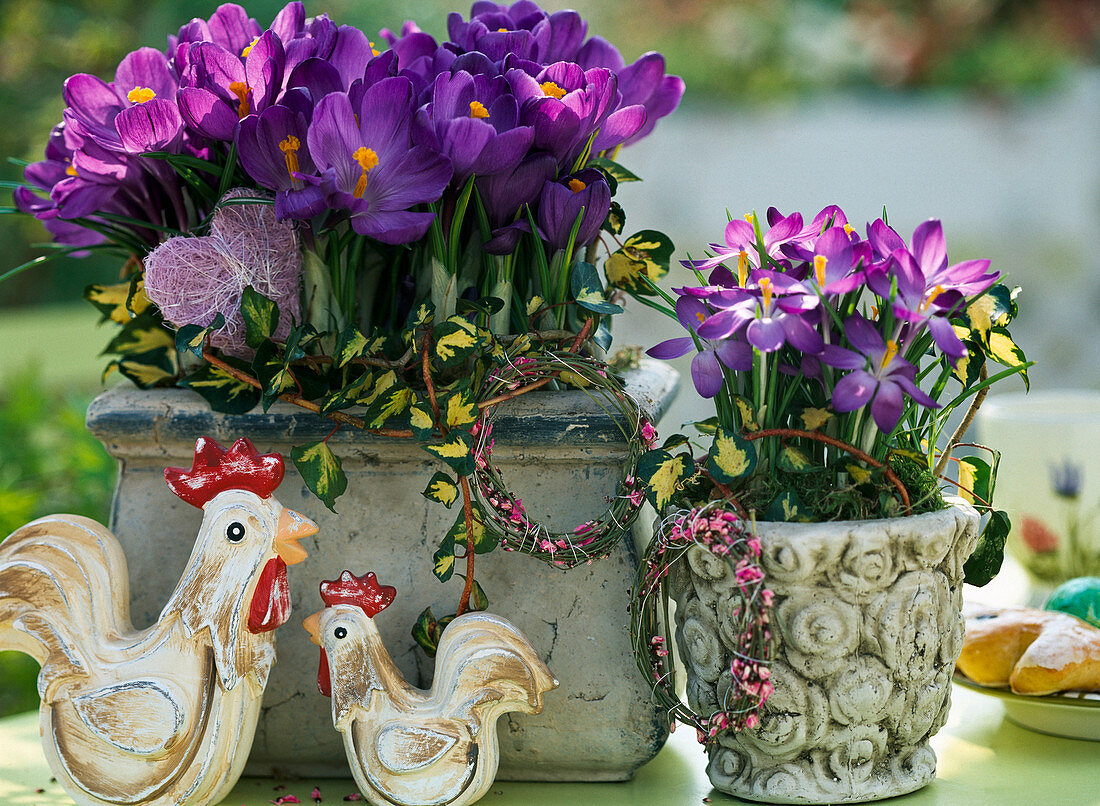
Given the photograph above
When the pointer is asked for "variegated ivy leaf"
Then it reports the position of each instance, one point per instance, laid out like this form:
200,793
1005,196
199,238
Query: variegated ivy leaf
616,219
787,506
731,457
456,450
120,302
420,420
975,481
353,344
812,419
858,472
222,392
534,304
391,402
347,396
747,413
443,561
145,334
261,317
300,339
418,318
1003,350
706,427
968,368
321,471
272,373
427,631
148,370
521,345
645,254
441,489
613,169
461,411
192,338
664,475
380,385
455,341
484,541
478,600
588,290
794,460
989,553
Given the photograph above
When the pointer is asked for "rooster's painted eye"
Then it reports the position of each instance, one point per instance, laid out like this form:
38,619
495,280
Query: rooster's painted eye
234,533
340,632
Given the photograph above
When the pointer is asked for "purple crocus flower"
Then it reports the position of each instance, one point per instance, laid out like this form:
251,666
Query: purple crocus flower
740,243
771,310
272,148
706,366
369,166
220,88
472,120
563,200
522,29
879,375
505,195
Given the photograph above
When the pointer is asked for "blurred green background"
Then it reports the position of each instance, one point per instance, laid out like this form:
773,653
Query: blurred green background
796,102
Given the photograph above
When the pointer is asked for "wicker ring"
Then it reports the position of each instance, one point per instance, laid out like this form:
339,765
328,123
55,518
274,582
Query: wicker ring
731,540
503,513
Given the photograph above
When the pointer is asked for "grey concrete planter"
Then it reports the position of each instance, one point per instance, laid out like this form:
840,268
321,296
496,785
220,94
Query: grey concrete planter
867,629
556,449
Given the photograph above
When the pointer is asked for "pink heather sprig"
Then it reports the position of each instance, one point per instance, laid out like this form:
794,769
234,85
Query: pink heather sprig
728,537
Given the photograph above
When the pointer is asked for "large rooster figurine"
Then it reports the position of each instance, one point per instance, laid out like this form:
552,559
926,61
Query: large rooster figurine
164,716
408,747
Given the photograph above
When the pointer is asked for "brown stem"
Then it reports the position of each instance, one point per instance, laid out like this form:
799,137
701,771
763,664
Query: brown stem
727,494
582,335
975,404
468,512
844,446
309,405
484,404
426,369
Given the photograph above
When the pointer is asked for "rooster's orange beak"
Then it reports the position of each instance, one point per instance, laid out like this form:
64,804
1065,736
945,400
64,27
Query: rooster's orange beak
292,527
313,627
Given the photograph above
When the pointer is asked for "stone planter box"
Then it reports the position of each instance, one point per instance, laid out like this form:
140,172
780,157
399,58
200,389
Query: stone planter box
557,450
867,629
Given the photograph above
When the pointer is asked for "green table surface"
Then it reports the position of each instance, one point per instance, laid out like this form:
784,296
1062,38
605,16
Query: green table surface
983,759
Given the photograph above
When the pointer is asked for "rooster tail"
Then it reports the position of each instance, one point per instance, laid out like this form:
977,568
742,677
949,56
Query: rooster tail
482,659
64,592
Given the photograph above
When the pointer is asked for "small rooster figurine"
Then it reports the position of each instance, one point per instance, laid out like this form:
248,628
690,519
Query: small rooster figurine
408,747
164,716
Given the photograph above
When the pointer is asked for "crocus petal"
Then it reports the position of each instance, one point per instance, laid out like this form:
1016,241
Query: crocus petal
801,335
840,358
739,234
766,334
672,348
853,391
887,406
929,247
914,391
396,227
863,335
148,68
706,373
155,125
946,338
720,325
737,355
883,238
207,113
619,126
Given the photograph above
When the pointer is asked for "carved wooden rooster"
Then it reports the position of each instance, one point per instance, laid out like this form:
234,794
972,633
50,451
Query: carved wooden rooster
409,747
164,716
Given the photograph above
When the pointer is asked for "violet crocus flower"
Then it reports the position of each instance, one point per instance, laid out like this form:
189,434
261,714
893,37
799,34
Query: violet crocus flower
522,29
740,243
585,194
505,195
220,88
706,366
369,166
879,375
472,120
272,148
771,311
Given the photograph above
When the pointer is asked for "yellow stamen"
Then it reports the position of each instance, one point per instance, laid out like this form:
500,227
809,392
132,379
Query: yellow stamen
702,317
367,160
874,312
289,147
576,185
552,89
478,110
373,49
139,95
935,292
888,356
249,46
766,287
502,30
240,89
751,218
847,229
819,268
742,268
70,170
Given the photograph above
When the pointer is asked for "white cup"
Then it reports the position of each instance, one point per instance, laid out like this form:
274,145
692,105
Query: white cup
1049,478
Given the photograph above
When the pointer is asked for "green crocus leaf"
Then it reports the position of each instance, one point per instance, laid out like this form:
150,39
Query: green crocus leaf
664,475
442,489
192,338
321,471
261,317
645,256
787,506
588,290
731,457
456,450
222,392
989,553
443,561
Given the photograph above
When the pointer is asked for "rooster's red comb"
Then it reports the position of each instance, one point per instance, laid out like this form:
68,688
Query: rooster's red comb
216,470
363,592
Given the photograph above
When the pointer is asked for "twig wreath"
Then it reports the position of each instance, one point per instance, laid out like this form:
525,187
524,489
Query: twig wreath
731,539
504,514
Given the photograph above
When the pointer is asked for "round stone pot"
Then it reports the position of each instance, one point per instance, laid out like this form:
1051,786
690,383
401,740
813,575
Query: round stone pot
867,629
557,450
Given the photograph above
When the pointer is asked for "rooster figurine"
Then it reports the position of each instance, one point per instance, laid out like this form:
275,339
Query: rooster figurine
164,716
408,747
